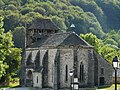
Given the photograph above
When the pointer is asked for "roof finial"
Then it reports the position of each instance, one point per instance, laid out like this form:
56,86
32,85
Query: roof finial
72,26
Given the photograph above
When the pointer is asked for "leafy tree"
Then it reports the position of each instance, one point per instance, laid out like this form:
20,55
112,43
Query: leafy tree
11,20
49,9
19,37
5,44
92,40
9,56
1,4
26,10
108,51
40,10
13,61
25,19
59,22
11,7
111,41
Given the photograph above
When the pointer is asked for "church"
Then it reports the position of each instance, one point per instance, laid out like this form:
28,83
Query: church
51,56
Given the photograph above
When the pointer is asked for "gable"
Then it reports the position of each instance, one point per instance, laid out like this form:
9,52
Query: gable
74,39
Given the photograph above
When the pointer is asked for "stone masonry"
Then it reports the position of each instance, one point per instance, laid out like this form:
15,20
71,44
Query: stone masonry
49,56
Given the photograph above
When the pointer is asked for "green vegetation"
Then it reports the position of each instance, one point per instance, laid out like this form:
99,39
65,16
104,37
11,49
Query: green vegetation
11,85
9,56
96,20
107,50
112,87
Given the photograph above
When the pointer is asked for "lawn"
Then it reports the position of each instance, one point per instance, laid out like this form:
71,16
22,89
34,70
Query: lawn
109,88
11,85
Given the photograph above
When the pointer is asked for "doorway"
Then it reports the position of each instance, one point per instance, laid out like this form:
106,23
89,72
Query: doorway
101,81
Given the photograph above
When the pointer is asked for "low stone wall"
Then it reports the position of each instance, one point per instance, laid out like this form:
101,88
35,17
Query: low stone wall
118,80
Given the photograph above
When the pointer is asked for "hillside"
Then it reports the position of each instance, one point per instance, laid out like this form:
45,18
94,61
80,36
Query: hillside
100,17
96,16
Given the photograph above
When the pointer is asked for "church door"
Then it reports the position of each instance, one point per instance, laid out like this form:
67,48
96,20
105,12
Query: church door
29,80
101,79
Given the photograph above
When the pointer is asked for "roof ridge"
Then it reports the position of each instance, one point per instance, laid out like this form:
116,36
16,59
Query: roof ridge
63,33
52,35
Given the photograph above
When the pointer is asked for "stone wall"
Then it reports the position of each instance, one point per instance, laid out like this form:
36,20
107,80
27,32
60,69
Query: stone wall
42,53
51,59
86,56
66,60
107,71
83,57
90,68
37,83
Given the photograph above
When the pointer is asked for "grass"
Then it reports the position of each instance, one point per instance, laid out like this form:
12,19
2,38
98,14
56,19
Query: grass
11,85
112,87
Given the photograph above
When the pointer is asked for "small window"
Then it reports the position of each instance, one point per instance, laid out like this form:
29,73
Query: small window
81,72
66,73
37,79
102,71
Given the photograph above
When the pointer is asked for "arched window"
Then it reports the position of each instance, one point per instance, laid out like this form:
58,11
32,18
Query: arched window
29,75
102,71
66,73
81,72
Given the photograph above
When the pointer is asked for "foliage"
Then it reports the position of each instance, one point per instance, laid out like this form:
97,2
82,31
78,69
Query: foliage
88,15
9,57
5,44
19,34
107,49
92,40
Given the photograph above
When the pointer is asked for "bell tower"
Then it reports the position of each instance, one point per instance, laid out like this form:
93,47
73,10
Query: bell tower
39,29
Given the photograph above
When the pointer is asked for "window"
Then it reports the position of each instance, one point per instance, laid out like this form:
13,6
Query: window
37,79
66,73
102,71
29,74
81,72
52,72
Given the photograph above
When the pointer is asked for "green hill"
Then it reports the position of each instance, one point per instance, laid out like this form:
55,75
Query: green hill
100,17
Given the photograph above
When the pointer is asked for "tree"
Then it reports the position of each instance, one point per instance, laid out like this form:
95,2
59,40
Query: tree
110,41
5,44
107,51
59,22
26,10
19,37
9,57
13,61
92,40
11,20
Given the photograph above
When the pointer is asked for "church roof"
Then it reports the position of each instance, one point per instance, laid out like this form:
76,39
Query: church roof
61,39
43,24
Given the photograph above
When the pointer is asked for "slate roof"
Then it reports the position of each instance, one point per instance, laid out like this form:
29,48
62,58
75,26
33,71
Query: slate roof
61,39
43,24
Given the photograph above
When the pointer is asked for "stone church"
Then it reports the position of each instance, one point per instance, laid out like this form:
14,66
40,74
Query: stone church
50,55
